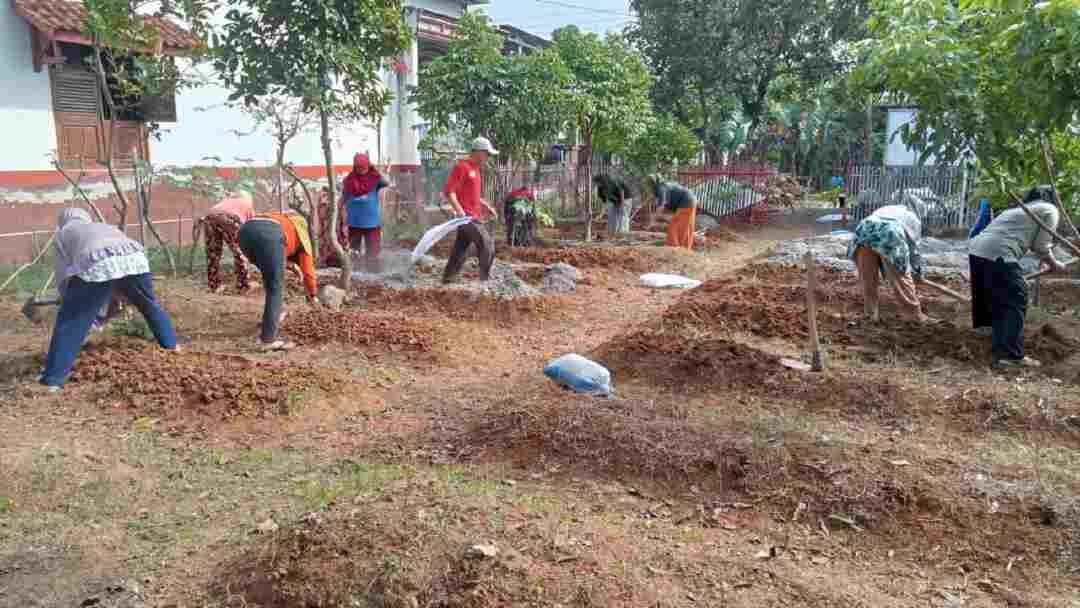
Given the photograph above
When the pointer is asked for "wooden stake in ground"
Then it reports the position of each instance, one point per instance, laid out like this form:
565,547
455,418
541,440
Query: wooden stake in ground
818,355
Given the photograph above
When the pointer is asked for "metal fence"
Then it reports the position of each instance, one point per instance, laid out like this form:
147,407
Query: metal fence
939,194
726,190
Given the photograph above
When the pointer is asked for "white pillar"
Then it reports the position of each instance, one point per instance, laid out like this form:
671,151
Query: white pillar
403,121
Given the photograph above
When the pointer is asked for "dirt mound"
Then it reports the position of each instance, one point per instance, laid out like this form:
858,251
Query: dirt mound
461,304
609,437
633,259
730,305
318,325
778,274
155,382
423,549
695,364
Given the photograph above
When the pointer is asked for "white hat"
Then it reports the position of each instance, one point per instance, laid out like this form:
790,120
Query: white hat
484,145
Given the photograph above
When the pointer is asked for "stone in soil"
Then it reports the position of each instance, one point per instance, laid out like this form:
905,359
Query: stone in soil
940,256
398,272
561,278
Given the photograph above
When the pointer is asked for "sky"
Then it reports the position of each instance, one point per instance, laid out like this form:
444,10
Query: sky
541,17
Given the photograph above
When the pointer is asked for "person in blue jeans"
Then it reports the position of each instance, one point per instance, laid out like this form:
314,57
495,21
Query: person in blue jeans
92,261
361,195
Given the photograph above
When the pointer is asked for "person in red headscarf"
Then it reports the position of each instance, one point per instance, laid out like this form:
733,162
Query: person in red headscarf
360,194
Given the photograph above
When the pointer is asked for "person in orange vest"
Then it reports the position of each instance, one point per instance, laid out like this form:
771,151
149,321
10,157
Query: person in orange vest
683,203
270,241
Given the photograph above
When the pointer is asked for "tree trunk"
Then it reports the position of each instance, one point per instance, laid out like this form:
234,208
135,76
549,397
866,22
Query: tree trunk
346,261
143,193
107,144
281,176
588,186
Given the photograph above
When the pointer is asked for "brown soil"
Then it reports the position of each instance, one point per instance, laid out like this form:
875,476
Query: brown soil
149,381
632,259
460,304
319,326
358,468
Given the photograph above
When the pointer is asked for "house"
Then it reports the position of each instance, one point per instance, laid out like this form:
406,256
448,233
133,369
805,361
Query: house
48,109
898,153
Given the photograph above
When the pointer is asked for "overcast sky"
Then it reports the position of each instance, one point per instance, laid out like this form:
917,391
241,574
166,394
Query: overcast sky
541,17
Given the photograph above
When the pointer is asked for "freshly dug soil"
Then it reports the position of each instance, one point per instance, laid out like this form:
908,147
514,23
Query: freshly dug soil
625,258
318,325
155,382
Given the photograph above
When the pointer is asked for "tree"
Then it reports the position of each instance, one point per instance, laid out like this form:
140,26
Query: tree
326,53
125,57
993,80
516,101
608,93
286,118
661,144
716,58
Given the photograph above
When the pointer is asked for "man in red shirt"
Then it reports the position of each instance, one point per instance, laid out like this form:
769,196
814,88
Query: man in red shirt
464,190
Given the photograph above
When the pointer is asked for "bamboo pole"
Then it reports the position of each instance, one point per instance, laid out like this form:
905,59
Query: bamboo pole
36,259
1057,237
817,355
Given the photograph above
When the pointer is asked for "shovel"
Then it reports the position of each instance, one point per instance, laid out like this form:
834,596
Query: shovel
30,308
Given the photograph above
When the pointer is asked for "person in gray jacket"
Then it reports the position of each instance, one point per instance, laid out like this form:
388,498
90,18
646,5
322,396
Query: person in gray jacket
998,288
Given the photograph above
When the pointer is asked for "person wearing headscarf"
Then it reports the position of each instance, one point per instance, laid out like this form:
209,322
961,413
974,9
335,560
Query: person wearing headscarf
222,227
327,254
998,287
360,193
93,260
887,243
270,241
613,190
683,203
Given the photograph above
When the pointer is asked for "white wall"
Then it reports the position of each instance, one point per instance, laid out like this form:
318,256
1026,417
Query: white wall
897,152
26,120
205,127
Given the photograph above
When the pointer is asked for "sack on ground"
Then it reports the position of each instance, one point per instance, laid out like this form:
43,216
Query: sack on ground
668,281
580,374
434,235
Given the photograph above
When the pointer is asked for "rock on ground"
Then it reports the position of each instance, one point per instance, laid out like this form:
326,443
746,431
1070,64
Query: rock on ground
560,278
940,256
332,297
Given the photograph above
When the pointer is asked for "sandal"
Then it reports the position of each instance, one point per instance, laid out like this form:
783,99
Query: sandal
277,345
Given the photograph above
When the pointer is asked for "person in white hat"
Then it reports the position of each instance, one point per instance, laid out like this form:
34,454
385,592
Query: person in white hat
465,192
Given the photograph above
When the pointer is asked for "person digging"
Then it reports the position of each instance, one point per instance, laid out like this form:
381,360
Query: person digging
614,191
683,203
221,226
94,260
464,191
887,244
998,287
270,241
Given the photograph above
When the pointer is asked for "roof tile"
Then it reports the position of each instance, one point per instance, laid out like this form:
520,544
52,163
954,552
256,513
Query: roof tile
51,16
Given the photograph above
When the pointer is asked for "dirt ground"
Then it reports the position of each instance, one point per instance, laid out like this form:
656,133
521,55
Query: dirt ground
410,453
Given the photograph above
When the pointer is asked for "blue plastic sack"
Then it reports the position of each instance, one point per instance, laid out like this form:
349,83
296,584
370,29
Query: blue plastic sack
580,374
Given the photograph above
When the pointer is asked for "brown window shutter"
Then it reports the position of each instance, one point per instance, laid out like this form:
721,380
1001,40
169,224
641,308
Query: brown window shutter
75,90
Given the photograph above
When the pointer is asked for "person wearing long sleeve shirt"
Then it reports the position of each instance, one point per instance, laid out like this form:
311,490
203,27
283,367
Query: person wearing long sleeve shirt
270,241
887,242
998,287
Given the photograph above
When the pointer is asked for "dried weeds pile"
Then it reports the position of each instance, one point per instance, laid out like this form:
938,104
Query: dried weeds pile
156,382
319,325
